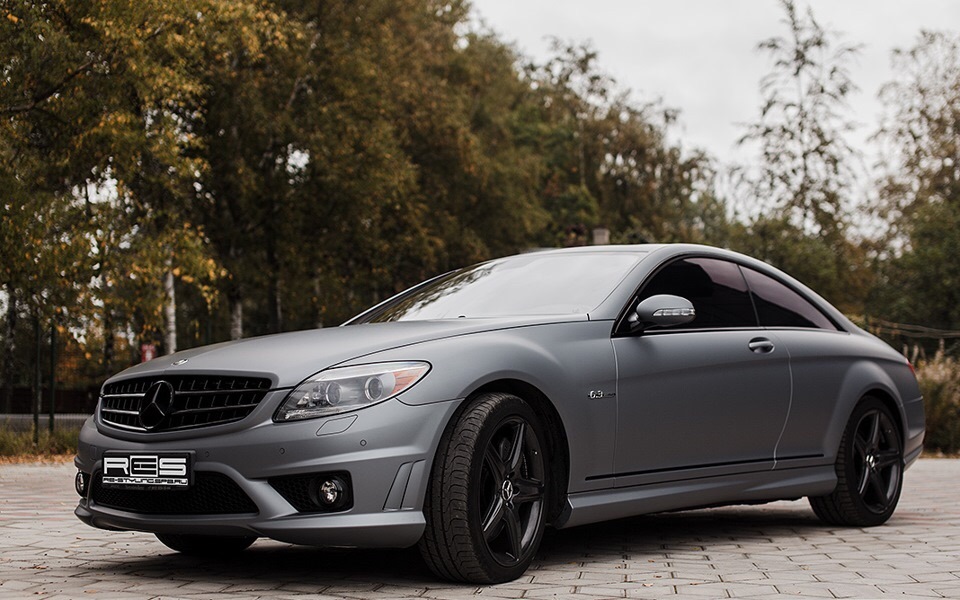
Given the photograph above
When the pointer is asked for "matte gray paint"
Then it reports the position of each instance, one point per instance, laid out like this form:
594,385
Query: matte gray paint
696,491
564,361
374,450
686,399
389,448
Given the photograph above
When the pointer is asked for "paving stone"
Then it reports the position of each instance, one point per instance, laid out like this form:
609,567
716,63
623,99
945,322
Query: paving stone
768,551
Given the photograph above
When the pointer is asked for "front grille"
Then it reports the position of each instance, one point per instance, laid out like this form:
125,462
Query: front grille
198,400
210,494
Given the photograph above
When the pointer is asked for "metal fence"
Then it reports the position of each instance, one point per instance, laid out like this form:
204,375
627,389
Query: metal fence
62,422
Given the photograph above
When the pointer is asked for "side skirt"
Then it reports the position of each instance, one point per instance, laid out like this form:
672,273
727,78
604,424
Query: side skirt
617,503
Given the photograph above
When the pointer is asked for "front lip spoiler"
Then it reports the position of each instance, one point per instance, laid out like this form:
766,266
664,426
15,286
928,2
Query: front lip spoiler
393,529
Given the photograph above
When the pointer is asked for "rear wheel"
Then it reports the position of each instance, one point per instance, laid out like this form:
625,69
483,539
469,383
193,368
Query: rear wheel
205,545
486,503
869,469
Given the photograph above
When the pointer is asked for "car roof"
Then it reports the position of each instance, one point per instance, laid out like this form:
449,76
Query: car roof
611,248
652,255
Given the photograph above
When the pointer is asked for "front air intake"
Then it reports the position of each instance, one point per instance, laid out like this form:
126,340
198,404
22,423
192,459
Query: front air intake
211,494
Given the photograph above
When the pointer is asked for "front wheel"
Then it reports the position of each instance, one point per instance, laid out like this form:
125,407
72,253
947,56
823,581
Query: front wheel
869,469
486,502
205,545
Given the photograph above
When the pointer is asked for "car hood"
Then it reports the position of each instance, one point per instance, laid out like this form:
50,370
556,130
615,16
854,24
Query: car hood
289,358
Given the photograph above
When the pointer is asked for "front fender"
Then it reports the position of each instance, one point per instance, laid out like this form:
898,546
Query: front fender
565,361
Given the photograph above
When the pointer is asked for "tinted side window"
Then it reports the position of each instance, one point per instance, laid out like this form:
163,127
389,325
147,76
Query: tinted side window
779,306
715,287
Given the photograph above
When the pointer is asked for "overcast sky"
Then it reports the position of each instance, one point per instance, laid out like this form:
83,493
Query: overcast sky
699,55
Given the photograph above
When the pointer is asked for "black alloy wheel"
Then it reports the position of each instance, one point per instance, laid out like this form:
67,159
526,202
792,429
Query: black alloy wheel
869,469
486,501
510,492
877,461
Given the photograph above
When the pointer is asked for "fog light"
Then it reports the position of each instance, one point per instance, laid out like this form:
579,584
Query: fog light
80,482
330,492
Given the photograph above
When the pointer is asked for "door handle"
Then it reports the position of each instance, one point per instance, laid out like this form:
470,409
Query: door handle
761,346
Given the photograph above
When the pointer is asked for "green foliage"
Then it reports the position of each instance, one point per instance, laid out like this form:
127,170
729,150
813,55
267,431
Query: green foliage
801,191
607,161
919,130
920,193
806,163
838,270
292,162
92,97
922,285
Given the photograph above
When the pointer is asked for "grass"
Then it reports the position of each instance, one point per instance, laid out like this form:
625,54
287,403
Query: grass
18,446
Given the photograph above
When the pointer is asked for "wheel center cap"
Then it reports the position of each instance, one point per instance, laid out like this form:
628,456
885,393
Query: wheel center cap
506,490
872,461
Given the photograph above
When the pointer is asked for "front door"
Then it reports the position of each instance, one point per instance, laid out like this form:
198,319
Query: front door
708,398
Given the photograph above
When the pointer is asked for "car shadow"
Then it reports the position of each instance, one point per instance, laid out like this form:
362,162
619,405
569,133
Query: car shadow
303,568
651,536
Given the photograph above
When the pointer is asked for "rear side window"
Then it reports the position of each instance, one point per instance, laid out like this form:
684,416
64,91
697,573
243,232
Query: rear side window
779,306
715,287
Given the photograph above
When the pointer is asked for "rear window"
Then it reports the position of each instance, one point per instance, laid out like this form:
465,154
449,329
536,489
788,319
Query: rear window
528,284
779,306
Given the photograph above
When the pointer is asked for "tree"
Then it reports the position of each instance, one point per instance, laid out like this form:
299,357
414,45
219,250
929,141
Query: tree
100,96
920,282
608,161
188,171
379,149
800,195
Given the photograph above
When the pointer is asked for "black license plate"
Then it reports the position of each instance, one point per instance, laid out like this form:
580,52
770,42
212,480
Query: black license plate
147,470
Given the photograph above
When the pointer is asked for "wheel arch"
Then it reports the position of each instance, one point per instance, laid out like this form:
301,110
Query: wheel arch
896,409
863,378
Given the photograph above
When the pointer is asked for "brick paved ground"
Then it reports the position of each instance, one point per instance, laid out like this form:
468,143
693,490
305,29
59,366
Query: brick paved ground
774,550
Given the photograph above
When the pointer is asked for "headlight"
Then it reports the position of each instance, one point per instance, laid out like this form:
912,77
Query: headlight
349,388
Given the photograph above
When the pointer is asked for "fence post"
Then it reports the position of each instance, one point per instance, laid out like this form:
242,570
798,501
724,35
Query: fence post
53,373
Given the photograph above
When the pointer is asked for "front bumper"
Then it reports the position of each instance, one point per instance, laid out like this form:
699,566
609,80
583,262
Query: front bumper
387,450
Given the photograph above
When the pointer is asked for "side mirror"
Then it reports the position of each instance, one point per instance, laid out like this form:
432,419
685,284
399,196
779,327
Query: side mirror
662,310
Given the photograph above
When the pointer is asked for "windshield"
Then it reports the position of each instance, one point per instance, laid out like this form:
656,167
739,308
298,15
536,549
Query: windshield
528,284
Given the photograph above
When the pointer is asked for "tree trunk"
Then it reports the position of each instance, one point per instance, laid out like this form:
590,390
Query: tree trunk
37,383
275,318
170,313
9,348
317,291
108,341
276,305
53,376
235,298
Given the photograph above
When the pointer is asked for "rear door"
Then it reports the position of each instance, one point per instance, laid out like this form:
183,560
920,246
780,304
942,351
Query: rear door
820,357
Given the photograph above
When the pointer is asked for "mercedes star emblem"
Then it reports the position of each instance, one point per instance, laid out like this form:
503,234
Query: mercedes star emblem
157,405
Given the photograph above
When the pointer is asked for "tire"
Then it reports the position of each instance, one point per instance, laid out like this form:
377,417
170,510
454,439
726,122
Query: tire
205,545
869,469
487,497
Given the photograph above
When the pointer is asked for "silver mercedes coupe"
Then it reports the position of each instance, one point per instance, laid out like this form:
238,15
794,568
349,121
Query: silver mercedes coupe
468,413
